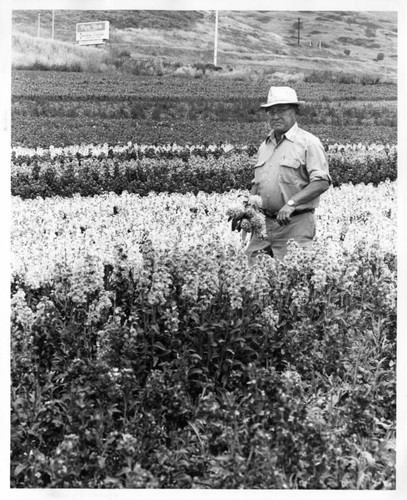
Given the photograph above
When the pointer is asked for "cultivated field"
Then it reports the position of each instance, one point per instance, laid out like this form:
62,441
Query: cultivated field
145,352
62,109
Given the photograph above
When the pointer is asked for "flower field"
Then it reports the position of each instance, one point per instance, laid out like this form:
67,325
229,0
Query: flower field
147,354
142,169
145,351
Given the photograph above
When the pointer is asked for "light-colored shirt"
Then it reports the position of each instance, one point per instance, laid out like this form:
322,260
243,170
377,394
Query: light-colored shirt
284,169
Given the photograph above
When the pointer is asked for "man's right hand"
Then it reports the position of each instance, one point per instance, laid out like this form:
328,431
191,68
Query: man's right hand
236,222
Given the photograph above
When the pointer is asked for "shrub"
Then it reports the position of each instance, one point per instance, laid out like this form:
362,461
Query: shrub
370,79
140,170
346,78
199,74
288,78
380,56
319,77
212,67
188,72
200,67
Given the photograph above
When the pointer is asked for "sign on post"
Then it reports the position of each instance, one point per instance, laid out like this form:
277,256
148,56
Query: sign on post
92,33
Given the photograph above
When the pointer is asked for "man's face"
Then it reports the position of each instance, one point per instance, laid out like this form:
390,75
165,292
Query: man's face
281,117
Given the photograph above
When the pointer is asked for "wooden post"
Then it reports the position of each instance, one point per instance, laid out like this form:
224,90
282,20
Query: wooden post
215,55
39,24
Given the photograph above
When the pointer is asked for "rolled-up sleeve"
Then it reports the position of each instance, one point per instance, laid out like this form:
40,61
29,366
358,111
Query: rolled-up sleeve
316,161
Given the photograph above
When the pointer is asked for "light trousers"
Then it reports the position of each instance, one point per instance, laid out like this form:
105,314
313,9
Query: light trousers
302,228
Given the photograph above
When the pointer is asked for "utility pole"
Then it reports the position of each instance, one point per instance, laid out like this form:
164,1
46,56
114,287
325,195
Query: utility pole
39,24
299,21
215,55
53,21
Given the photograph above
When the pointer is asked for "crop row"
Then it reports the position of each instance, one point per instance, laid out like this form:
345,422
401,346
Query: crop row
33,132
241,110
177,170
21,154
147,354
54,85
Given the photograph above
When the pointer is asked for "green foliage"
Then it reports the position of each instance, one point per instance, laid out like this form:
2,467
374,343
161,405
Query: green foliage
84,108
43,132
236,110
180,170
288,389
326,76
82,87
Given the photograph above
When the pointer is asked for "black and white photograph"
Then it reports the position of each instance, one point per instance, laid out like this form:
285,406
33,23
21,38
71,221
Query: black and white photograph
205,247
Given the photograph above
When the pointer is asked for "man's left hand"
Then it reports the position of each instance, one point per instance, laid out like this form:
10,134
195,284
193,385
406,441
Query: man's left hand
284,215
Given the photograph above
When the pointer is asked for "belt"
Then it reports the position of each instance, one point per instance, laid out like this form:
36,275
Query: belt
297,212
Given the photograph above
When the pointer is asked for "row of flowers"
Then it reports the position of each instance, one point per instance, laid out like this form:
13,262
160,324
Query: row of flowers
21,153
213,170
54,232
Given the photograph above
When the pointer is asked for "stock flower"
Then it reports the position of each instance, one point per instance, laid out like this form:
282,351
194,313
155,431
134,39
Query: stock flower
247,216
67,242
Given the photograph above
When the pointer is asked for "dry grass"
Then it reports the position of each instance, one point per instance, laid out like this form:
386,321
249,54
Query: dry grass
28,51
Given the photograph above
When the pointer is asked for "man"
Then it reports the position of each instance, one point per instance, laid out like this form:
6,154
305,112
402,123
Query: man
290,174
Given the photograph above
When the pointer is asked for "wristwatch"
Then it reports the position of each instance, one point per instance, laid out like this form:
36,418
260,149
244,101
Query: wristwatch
291,203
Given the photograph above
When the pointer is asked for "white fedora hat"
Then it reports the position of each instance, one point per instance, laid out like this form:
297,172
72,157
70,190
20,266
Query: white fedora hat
281,95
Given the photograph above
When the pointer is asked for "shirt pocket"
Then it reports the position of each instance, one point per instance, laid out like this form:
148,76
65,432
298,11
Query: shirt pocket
259,170
259,164
290,172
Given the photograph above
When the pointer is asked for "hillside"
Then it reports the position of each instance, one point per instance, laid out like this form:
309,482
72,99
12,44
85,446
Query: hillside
341,41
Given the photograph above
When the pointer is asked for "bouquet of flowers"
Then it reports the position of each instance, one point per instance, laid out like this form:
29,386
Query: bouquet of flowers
248,216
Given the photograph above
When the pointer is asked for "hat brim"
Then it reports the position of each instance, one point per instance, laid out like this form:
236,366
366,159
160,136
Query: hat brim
267,105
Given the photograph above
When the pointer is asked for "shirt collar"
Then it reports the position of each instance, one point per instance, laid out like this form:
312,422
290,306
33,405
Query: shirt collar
290,134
